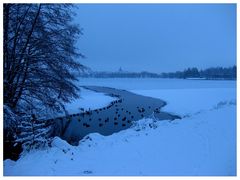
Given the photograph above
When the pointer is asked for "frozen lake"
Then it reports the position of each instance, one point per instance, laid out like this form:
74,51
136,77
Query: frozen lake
155,83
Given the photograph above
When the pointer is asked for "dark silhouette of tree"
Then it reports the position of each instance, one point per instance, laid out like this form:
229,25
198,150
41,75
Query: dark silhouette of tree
39,61
191,73
39,55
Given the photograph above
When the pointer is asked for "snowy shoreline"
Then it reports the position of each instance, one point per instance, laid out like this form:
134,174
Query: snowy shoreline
203,143
191,146
89,100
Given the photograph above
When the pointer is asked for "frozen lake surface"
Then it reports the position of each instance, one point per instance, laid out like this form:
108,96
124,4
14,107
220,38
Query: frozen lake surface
155,83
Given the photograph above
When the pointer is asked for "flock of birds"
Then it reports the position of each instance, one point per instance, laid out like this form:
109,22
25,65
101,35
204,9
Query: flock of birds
121,117
118,115
103,121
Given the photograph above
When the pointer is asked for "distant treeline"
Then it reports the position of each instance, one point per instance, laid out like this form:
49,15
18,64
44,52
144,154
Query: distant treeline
121,75
210,73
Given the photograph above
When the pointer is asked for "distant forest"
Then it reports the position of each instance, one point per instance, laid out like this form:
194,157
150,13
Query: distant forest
189,73
210,73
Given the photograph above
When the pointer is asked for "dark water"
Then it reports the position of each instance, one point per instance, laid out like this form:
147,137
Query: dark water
115,117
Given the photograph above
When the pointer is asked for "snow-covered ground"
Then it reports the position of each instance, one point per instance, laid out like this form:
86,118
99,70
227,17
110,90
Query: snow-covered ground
185,102
88,100
202,143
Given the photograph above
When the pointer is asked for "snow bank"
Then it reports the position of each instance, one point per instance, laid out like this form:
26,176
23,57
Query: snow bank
89,100
61,144
203,144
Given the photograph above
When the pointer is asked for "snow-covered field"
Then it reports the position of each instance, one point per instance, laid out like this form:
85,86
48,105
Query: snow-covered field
202,143
186,102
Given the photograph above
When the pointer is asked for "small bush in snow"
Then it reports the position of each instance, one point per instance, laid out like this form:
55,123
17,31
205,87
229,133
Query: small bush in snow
150,123
33,134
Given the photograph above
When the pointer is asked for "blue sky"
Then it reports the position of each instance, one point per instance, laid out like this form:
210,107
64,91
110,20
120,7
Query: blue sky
157,37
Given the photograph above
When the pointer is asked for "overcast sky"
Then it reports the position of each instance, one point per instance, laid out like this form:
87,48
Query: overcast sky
157,37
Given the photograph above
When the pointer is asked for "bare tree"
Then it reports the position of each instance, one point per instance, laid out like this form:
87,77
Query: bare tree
40,56
40,60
